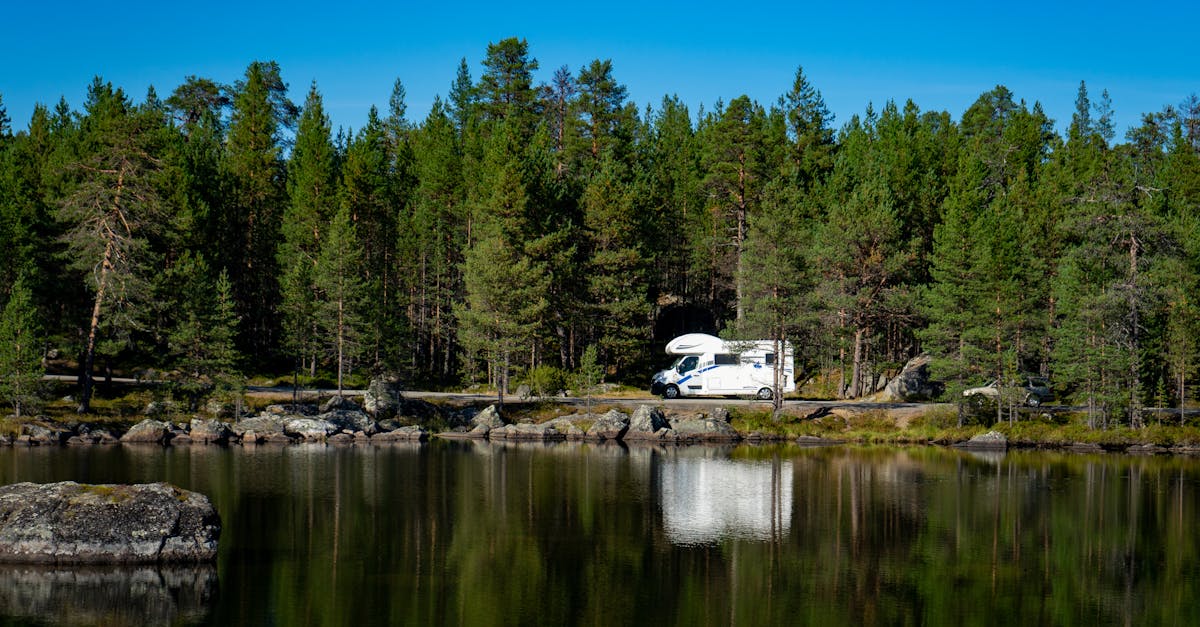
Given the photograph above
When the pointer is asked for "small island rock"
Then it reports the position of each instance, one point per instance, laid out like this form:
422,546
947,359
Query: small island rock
69,522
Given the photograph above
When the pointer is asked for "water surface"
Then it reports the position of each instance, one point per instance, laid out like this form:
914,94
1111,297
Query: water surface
573,534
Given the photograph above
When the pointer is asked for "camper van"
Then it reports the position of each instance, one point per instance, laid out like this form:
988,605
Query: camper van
710,366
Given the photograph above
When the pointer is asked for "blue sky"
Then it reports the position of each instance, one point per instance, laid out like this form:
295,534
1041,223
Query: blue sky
940,55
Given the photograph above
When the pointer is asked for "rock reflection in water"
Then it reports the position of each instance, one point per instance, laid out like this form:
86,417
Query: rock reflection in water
117,595
706,500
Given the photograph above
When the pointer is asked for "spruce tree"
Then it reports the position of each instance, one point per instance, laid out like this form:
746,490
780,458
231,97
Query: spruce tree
20,354
202,340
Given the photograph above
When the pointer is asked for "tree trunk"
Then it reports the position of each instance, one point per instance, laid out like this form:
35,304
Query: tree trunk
89,351
857,373
341,339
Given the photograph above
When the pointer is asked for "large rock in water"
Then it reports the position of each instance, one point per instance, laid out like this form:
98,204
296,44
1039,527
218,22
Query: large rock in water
70,522
646,423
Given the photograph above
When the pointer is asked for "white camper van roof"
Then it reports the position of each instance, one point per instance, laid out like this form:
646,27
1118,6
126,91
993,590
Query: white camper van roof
695,344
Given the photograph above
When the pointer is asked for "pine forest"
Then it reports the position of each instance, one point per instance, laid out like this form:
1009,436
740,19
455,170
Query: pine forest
223,231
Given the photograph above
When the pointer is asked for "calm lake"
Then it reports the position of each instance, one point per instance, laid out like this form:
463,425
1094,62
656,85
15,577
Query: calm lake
470,533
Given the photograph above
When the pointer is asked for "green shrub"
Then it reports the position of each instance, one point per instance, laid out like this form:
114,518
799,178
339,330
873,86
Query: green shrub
546,380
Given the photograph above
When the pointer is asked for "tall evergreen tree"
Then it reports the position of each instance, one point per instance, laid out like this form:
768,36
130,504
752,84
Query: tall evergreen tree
616,270
810,128
109,215
735,175
255,202
337,276
506,87
778,281
601,103
505,285
367,196
436,240
313,196
20,354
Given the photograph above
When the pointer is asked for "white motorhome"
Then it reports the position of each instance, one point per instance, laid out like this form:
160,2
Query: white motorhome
710,366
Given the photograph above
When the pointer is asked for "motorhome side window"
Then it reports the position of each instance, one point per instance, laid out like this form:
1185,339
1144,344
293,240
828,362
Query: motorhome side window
724,359
770,359
688,364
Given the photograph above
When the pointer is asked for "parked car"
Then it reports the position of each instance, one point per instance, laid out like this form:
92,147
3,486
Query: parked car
1033,391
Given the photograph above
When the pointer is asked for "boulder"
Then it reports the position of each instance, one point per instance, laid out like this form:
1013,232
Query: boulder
573,432
34,435
610,426
303,409
261,426
489,417
309,429
339,402
158,408
533,432
382,397
209,431
992,441
402,434
70,522
912,384
148,431
646,423
704,428
349,420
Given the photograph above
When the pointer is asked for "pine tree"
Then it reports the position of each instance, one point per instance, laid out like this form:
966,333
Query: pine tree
616,277
505,302
777,279
255,202
672,200
504,282
368,197
313,196
20,355
340,315
605,123
506,87
436,240
736,172
108,217
864,261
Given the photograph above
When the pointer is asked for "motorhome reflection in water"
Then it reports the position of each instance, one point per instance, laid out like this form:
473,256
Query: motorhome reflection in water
710,366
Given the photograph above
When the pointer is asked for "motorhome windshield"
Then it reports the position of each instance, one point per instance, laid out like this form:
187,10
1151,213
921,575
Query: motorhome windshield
686,363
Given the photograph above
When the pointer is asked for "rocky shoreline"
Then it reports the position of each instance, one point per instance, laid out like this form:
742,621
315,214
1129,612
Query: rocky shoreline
342,421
